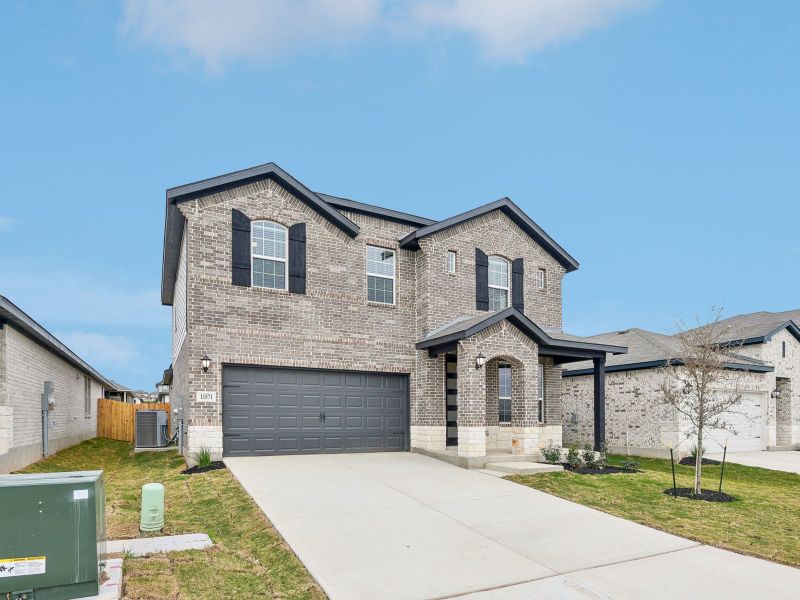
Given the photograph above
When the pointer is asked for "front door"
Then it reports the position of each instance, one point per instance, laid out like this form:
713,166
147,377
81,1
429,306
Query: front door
451,398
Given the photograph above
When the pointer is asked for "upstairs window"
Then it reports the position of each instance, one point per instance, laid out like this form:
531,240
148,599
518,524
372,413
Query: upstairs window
783,349
380,275
451,262
504,388
269,255
541,280
499,283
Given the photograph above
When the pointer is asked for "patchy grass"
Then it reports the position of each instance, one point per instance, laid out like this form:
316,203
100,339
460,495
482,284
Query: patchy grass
248,560
763,521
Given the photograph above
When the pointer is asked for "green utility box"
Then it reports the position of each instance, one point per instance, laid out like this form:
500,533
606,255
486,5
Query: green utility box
51,537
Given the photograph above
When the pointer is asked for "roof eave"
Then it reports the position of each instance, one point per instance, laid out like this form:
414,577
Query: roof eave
655,364
11,314
528,327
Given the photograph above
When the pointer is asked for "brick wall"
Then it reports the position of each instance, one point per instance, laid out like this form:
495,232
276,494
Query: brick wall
27,366
636,417
333,326
446,297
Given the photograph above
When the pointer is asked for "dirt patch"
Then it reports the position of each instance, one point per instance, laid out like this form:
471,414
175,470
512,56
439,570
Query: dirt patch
217,464
707,495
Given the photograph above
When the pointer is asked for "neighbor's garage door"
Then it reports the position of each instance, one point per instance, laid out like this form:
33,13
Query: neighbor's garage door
748,421
269,410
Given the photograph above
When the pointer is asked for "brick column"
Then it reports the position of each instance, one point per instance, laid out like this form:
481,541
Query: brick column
471,403
524,408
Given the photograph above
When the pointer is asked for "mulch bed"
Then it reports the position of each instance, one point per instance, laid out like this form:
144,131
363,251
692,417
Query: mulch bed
707,495
593,471
217,464
689,461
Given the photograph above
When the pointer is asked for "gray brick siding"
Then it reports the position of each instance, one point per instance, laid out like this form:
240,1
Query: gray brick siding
333,326
26,367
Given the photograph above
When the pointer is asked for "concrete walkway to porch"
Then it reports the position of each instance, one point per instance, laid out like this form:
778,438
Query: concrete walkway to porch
402,525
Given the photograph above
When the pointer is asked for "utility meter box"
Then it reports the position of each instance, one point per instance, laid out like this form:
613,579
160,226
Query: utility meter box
49,396
53,532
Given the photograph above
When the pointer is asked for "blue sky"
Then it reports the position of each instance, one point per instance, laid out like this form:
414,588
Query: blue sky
658,142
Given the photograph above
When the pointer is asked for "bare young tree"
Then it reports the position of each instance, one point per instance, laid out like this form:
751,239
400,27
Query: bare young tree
699,386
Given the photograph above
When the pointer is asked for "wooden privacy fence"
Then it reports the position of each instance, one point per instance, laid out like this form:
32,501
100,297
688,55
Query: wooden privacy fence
116,420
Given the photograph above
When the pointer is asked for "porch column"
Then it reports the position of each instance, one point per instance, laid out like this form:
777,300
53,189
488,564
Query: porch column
599,401
471,403
526,429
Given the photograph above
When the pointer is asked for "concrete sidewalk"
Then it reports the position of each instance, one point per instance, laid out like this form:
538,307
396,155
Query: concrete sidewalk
400,525
788,460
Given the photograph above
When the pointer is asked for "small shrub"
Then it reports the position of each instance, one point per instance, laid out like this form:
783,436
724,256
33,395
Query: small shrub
630,464
588,457
552,452
202,457
574,458
693,451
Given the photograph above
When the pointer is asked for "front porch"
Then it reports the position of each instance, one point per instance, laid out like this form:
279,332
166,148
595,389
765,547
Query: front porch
500,392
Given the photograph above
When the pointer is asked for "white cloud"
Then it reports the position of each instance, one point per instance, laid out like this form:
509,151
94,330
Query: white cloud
8,223
222,32
510,30
105,351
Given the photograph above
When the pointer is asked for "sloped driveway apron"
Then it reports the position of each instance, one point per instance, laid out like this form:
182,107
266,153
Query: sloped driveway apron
401,525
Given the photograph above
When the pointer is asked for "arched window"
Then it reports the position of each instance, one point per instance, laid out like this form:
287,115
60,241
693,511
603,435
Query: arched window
269,255
499,283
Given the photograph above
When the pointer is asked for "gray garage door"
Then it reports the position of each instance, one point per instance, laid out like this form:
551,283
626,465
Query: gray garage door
269,410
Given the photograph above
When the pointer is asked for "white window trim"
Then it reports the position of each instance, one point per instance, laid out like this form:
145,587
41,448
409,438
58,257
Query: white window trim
393,277
540,392
500,287
452,254
499,397
285,261
542,281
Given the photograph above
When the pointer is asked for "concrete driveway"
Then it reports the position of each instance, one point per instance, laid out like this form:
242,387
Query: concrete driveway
401,525
777,461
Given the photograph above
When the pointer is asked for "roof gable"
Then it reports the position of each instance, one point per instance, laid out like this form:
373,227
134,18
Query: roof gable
465,327
174,220
513,212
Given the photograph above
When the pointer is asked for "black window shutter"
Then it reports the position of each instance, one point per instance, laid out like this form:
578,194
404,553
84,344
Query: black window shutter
241,250
518,285
481,280
297,258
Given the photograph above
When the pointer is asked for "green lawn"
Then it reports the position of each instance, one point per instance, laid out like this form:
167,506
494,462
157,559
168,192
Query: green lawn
764,520
248,560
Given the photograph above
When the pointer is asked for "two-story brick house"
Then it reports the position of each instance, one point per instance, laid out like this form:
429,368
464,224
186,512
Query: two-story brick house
304,322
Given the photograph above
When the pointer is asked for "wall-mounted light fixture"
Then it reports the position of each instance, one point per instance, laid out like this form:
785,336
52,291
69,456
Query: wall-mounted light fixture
480,360
205,362
687,388
776,393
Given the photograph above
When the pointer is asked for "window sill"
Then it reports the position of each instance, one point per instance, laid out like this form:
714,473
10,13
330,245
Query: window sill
268,290
504,424
381,304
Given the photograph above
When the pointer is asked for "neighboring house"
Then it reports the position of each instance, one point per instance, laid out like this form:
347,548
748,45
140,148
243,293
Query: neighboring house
29,356
162,387
304,322
765,370
120,393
